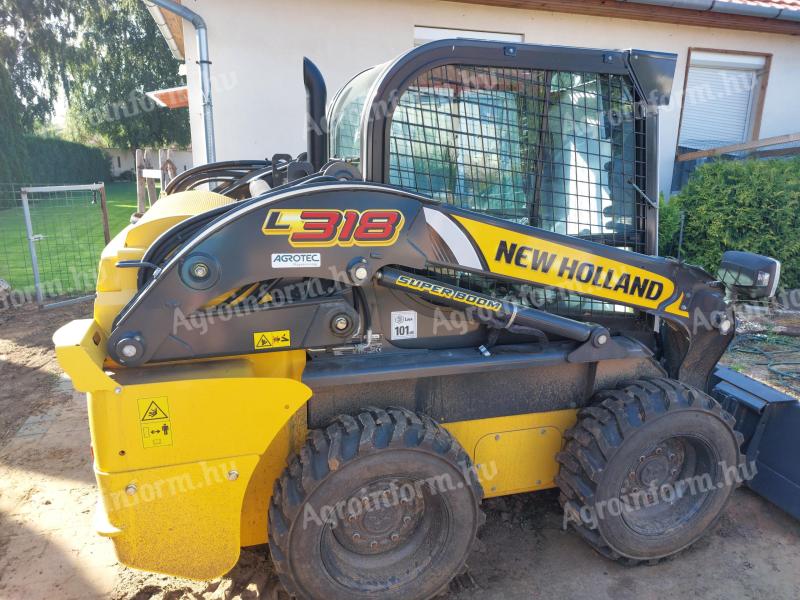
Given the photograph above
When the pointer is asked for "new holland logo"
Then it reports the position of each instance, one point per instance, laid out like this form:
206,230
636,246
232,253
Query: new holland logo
323,228
549,263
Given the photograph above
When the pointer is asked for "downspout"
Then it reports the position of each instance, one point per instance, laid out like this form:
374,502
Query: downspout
205,67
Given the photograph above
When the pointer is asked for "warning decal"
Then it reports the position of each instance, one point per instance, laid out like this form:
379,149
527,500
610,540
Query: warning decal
267,340
154,422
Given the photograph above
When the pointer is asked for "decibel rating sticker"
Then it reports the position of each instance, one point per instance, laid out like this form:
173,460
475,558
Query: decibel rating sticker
404,324
267,340
154,422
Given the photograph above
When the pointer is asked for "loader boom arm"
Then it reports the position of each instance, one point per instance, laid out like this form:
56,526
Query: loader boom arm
350,232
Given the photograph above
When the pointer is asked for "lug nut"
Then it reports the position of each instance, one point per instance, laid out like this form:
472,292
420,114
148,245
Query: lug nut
659,450
395,537
373,545
406,520
356,537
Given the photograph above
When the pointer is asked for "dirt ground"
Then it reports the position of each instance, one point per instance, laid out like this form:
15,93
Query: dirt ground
48,548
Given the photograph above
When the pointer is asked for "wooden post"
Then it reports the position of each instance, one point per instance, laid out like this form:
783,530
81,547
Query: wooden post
104,210
141,206
162,157
151,183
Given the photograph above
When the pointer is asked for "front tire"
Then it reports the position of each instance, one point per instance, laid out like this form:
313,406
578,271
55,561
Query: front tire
648,469
384,504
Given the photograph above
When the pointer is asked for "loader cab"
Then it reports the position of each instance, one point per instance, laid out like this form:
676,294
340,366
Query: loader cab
564,139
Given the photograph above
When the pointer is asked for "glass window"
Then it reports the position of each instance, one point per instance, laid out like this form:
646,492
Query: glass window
345,116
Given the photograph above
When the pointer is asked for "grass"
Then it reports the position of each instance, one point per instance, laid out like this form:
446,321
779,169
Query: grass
72,232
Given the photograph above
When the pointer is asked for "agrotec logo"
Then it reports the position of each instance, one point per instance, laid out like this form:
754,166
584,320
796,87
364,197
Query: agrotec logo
289,260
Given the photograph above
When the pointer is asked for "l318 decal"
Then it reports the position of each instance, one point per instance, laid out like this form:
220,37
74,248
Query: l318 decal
323,228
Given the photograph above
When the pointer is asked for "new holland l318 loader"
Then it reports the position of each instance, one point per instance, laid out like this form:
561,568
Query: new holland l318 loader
452,295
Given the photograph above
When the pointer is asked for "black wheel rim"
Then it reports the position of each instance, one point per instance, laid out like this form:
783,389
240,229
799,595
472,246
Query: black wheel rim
385,534
668,486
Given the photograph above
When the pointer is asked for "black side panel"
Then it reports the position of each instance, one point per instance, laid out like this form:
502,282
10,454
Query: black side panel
461,385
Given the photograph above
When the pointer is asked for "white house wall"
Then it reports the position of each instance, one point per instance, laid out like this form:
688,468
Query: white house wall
257,46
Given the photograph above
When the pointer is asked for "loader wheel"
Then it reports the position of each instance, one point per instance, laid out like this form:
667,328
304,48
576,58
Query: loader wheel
648,469
384,504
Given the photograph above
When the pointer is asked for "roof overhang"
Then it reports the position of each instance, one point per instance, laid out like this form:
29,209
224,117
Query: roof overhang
747,15
171,27
177,97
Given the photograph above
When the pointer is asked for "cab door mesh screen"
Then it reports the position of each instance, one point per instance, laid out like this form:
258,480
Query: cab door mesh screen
557,150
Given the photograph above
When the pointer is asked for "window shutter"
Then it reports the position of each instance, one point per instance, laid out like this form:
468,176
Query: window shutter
717,107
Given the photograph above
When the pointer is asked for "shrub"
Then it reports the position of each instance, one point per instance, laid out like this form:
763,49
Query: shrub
751,205
52,160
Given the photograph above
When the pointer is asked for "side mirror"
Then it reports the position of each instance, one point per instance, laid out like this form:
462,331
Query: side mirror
749,275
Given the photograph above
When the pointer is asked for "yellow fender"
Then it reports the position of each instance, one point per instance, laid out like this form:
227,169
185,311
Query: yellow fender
176,449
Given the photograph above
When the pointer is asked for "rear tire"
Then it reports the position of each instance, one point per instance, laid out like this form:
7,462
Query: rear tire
648,469
384,504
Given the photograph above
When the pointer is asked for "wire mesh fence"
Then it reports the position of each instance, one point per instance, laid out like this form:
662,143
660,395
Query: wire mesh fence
51,238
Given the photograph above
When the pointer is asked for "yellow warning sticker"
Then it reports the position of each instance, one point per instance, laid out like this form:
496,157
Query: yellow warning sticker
267,340
154,422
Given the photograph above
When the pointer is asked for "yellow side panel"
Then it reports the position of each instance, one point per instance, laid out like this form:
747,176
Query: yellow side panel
180,520
175,459
176,449
517,453
267,471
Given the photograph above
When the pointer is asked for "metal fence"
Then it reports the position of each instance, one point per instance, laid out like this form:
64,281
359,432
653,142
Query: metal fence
51,238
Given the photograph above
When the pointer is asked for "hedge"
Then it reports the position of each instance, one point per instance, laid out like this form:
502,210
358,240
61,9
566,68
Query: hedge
31,159
751,205
52,160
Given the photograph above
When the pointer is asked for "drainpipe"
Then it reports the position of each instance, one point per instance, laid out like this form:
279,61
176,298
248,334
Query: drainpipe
205,69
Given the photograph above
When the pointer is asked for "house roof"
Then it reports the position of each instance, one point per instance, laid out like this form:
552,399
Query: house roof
766,16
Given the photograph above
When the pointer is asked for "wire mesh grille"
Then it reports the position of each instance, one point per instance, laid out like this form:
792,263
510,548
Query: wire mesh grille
557,150
67,227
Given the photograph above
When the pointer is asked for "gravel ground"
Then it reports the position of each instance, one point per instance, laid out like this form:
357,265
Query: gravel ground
48,548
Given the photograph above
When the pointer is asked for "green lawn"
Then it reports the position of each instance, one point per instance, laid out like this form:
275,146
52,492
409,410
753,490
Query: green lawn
72,239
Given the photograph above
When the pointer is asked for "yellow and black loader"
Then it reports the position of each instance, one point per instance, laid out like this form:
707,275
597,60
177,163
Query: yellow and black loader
452,295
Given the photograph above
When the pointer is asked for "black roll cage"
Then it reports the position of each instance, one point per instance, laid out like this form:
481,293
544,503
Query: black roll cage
651,73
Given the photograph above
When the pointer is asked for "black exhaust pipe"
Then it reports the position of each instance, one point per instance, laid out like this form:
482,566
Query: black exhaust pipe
316,98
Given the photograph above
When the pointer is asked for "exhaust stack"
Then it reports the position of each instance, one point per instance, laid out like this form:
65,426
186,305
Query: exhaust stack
317,130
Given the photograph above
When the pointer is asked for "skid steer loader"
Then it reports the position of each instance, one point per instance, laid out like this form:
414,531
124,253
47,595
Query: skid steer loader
452,295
